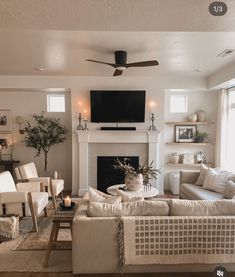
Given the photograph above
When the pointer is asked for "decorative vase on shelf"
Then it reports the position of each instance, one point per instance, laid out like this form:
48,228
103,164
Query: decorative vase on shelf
192,117
174,158
201,116
134,182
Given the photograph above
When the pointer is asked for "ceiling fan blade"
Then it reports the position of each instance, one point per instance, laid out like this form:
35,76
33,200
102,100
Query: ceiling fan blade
140,64
117,72
94,61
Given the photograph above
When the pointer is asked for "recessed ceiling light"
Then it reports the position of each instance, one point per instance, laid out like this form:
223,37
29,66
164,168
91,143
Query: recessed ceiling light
39,68
225,53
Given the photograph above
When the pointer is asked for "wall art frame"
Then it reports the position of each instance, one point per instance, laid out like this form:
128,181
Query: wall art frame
185,133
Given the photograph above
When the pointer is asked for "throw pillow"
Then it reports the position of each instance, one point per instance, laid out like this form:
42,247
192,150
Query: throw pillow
216,181
202,175
135,208
128,197
201,207
229,190
98,196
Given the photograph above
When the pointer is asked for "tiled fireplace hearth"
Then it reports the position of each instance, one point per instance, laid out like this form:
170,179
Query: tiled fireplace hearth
92,144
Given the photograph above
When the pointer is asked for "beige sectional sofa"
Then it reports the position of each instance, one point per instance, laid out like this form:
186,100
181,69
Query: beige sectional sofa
189,190
95,246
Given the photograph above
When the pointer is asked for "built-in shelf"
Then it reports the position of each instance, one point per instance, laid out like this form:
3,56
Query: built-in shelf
179,165
189,143
189,123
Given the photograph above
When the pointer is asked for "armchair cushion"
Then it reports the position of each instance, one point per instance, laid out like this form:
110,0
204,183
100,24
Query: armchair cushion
58,185
6,182
28,171
40,201
44,180
29,186
13,197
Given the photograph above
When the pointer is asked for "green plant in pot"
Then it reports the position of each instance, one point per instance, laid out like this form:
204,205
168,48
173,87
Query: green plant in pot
135,178
43,133
200,137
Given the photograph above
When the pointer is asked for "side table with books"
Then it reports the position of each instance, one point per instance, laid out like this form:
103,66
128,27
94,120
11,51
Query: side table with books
63,219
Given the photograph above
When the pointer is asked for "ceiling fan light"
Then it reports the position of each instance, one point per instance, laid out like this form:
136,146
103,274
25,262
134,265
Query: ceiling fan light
120,67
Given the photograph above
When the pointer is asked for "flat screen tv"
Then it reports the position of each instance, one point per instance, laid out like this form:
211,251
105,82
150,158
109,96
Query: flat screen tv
117,105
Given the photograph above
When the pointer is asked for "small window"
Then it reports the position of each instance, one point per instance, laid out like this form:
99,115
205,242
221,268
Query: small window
178,104
56,103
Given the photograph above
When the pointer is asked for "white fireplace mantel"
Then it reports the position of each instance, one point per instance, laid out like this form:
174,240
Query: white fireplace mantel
96,136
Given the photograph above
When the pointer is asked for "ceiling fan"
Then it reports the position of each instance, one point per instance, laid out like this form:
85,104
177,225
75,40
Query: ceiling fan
121,63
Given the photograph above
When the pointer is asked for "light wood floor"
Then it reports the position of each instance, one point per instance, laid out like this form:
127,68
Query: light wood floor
43,274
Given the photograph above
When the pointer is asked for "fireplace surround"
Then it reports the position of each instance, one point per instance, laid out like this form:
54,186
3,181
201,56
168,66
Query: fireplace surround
86,138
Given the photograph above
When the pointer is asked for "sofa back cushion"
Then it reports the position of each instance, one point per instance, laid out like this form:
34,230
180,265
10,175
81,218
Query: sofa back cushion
229,190
215,181
128,197
135,208
201,207
98,196
202,176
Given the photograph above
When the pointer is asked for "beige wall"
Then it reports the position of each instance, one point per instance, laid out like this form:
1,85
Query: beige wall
197,100
26,103
80,88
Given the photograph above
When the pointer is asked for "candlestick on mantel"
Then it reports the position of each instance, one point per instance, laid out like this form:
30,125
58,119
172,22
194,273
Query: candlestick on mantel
79,127
67,201
85,125
152,127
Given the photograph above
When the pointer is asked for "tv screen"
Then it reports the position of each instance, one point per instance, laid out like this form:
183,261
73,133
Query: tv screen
117,106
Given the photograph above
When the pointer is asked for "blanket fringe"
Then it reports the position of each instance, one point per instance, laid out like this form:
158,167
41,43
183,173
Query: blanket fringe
120,239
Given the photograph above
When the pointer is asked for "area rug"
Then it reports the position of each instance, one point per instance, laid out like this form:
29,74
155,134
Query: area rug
30,249
39,241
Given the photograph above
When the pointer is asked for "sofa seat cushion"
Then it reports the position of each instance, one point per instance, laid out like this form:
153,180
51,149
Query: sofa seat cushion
198,193
180,207
135,208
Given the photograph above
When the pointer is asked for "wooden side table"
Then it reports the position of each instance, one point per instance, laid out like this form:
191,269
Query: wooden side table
62,220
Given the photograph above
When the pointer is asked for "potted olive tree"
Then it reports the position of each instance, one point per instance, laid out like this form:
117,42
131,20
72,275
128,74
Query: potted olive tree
43,133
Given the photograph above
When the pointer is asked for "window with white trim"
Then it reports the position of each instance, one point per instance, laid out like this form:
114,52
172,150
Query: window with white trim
56,103
178,103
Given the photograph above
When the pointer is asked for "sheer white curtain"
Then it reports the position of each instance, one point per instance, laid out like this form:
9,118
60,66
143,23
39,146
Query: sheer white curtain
225,132
222,130
231,131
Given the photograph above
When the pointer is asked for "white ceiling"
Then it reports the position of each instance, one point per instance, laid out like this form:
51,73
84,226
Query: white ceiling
60,35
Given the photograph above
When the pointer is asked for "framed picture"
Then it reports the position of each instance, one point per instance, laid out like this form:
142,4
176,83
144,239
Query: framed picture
6,146
5,121
185,133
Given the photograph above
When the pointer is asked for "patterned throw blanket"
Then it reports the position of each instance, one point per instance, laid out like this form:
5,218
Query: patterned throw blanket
177,240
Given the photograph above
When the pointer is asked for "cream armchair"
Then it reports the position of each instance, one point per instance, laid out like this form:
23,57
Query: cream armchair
28,173
23,199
